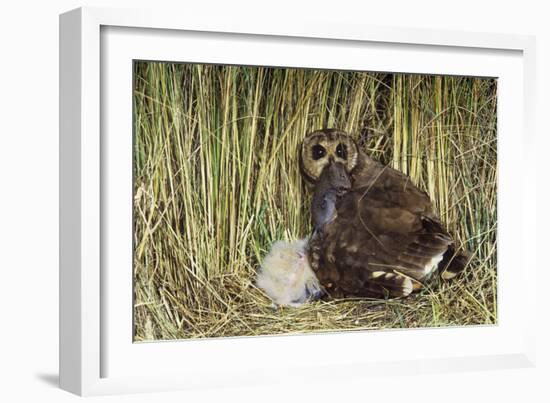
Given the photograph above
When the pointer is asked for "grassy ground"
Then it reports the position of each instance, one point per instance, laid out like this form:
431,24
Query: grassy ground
217,181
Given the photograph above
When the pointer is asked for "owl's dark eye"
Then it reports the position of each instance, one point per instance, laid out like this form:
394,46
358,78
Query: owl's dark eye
318,151
341,151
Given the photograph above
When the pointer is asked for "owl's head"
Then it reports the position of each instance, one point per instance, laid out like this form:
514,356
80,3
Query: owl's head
325,147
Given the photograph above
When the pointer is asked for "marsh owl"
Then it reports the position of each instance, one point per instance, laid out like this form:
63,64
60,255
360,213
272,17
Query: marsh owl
382,238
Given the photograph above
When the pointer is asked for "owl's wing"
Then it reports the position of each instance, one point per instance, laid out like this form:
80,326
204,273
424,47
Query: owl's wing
389,187
384,242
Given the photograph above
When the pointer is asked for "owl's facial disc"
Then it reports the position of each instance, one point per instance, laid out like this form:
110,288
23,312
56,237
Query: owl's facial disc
321,148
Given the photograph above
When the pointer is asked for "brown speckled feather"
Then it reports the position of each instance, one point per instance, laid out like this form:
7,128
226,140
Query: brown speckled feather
384,237
379,237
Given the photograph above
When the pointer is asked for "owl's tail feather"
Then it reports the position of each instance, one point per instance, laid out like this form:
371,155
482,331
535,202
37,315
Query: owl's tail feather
454,262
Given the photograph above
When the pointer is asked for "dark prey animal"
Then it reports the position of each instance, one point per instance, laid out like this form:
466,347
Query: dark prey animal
333,183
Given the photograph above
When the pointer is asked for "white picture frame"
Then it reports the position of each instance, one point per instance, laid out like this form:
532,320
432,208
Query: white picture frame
97,355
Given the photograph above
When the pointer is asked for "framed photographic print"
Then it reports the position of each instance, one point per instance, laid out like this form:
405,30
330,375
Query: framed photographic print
236,196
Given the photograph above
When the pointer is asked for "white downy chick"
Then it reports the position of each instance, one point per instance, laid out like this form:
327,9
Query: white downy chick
286,276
